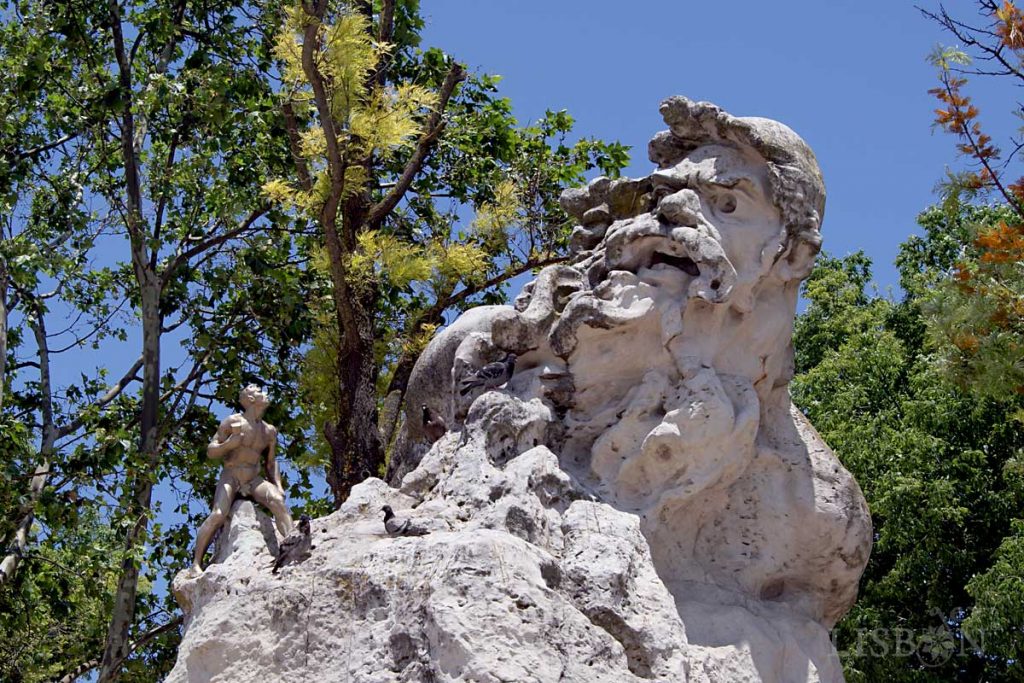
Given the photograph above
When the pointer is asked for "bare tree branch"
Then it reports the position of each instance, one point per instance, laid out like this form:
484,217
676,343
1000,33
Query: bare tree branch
210,242
18,541
161,205
113,392
344,304
36,151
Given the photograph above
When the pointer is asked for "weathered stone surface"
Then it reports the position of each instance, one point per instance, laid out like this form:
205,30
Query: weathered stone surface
518,581
640,501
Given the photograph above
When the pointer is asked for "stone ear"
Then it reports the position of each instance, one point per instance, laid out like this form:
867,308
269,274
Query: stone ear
801,244
798,261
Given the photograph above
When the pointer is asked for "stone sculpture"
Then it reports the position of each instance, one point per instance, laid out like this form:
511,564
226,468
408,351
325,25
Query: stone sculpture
664,353
243,440
638,500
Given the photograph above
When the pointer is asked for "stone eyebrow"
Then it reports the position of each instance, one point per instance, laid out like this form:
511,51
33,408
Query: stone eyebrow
743,182
729,178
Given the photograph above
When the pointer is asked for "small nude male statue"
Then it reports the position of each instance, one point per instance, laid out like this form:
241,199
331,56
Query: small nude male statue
242,440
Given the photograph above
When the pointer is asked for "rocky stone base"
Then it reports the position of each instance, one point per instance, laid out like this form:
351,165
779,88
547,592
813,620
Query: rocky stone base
521,579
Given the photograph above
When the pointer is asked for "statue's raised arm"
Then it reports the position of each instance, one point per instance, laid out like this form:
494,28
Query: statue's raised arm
227,438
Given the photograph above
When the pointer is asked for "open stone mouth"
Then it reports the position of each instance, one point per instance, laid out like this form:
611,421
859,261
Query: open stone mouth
683,263
654,252
687,265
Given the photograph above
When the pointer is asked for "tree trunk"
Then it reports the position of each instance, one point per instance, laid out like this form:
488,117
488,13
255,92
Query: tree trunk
86,667
356,451
3,328
18,543
395,400
117,647
354,440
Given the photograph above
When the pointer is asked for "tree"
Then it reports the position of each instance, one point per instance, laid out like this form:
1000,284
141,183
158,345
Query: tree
158,128
380,131
939,467
975,316
142,144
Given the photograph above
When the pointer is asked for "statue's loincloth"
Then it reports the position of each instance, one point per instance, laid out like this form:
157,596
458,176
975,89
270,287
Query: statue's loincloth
245,490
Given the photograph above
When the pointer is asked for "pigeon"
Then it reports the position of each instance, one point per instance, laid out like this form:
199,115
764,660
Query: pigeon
490,376
400,527
296,546
433,424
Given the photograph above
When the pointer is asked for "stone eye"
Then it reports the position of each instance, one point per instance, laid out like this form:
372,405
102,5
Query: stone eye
725,203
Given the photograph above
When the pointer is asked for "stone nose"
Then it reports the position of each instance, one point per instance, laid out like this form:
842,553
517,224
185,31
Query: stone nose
681,208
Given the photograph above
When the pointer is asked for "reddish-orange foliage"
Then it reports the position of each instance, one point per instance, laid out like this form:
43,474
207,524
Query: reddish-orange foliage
1017,189
977,181
965,341
999,318
995,301
959,117
1002,243
1008,313
962,275
1010,27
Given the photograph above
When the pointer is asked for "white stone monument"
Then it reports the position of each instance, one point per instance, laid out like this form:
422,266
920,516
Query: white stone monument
640,501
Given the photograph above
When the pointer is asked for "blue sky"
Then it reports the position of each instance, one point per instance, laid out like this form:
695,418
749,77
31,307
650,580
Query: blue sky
850,77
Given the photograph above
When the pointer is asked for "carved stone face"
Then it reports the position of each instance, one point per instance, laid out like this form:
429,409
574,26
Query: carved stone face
254,396
675,283
727,189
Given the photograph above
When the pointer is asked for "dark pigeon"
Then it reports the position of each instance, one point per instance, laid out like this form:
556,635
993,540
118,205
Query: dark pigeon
433,424
396,526
490,376
296,546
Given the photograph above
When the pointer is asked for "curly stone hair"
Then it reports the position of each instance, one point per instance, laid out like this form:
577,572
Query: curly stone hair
794,178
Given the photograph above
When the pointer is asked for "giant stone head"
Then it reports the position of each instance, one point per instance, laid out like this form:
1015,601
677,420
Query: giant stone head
655,365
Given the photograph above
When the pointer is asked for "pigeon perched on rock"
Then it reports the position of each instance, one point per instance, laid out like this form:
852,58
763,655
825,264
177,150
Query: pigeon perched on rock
433,424
490,376
396,526
296,546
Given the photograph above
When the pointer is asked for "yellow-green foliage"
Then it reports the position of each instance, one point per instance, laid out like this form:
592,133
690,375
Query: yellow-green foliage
460,261
494,219
386,257
367,120
388,121
416,343
312,143
318,385
281,192
348,56
288,49
318,376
